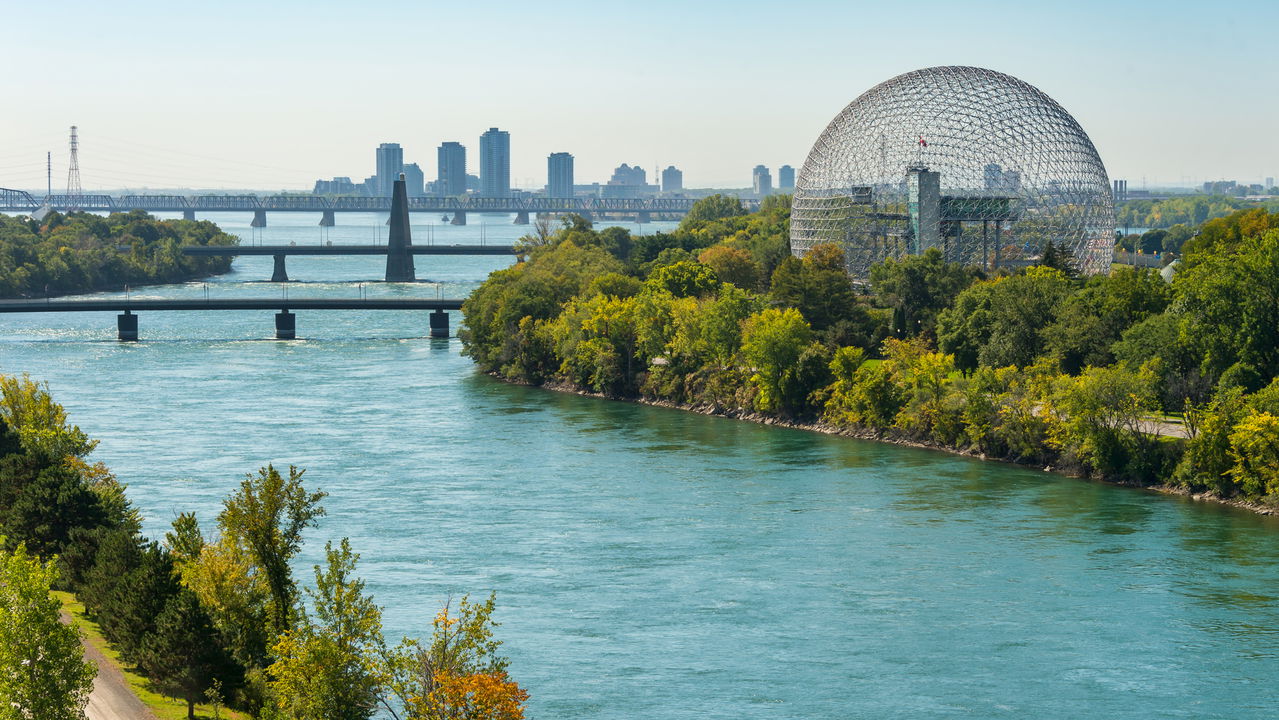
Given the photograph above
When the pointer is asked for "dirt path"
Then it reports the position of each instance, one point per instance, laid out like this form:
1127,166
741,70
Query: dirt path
111,698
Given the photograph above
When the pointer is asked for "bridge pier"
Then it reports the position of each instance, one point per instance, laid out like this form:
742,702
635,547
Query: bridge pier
439,324
327,220
188,214
521,217
127,326
259,219
643,217
279,274
286,325
459,218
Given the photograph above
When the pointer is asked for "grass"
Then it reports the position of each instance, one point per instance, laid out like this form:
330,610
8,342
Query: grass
163,707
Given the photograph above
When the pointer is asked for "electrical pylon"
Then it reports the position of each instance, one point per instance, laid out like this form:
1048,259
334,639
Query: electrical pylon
75,193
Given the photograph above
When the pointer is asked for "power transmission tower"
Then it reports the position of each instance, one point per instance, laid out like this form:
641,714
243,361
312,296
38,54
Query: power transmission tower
75,194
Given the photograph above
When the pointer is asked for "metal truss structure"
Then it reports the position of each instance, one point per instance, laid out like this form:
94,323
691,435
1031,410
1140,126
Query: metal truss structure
978,164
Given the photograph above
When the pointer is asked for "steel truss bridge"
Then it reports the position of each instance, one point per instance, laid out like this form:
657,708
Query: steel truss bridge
23,201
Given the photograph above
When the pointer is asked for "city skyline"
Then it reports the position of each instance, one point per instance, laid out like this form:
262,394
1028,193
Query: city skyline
700,101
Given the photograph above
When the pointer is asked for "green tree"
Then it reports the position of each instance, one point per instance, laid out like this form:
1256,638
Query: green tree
268,514
43,674
772,342
1103,417
1000,322
183,656
328,667
714,207
1254,447
917,288
1226,302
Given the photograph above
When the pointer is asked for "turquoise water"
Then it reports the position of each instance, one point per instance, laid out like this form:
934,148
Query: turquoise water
651,563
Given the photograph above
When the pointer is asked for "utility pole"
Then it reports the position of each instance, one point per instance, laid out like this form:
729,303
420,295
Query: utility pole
48,176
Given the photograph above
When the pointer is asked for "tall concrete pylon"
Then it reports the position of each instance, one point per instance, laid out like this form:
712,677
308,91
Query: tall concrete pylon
399,261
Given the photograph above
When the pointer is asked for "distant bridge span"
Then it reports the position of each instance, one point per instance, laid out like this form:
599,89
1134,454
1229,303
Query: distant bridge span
285,320
19,200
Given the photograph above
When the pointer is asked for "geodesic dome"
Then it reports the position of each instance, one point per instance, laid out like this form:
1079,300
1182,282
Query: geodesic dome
978,164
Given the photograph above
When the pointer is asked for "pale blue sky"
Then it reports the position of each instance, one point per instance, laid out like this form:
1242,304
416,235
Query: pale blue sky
276,95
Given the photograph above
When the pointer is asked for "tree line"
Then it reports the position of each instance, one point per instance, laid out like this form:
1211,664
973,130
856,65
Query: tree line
1103,375
82,252
209,616
1189,210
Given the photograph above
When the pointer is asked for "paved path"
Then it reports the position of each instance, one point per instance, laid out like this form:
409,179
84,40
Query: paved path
111,698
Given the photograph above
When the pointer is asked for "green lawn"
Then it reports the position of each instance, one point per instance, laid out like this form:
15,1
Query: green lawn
163,707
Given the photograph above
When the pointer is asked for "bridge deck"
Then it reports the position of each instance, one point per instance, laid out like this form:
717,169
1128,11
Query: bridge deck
137,305
344,250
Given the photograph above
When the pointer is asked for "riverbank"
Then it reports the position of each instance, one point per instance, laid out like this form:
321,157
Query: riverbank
892,439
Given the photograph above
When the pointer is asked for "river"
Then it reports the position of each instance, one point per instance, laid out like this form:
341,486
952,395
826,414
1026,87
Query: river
651,563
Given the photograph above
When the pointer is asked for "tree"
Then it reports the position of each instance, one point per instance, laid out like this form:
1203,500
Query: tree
183,656
686,278
460,675
41,424
328,666
267,515
1101,417
732,265
43,675
1000,322
1254,447
917,288
1095,317
713,207
772,342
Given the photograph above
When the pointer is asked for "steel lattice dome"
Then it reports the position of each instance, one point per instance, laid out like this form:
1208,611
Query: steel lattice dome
979,164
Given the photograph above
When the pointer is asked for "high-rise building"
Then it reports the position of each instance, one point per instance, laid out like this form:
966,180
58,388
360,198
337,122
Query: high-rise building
390,163
495,163
762,180
1270,182
628,181
785,178
337,186
452,176
414,180
672,179
1120,191
559,175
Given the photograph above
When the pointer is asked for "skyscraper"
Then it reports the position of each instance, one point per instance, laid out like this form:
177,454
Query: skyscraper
672,179
559,175
495,163
762,179
452,177
785,178
390,163
414,180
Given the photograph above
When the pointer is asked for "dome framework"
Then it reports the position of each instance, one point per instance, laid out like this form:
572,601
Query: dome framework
980,165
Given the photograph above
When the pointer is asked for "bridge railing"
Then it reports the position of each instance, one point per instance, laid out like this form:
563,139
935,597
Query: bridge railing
226,202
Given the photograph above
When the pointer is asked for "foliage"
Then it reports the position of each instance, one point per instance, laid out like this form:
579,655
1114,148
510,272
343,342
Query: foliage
713,207
999,322
460,675
327,668
43,673
917,288
1254,448
1226,302
183,655
1102,422
82,252
772,342
266,517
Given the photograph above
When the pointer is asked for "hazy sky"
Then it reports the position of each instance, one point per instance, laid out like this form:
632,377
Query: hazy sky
275,94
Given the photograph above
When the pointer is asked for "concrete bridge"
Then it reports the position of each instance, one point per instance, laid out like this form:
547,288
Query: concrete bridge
280,252
456,207
285,320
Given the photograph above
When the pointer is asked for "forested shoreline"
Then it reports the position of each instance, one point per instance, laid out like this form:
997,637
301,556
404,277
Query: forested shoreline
73,253
1036,365
212,617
